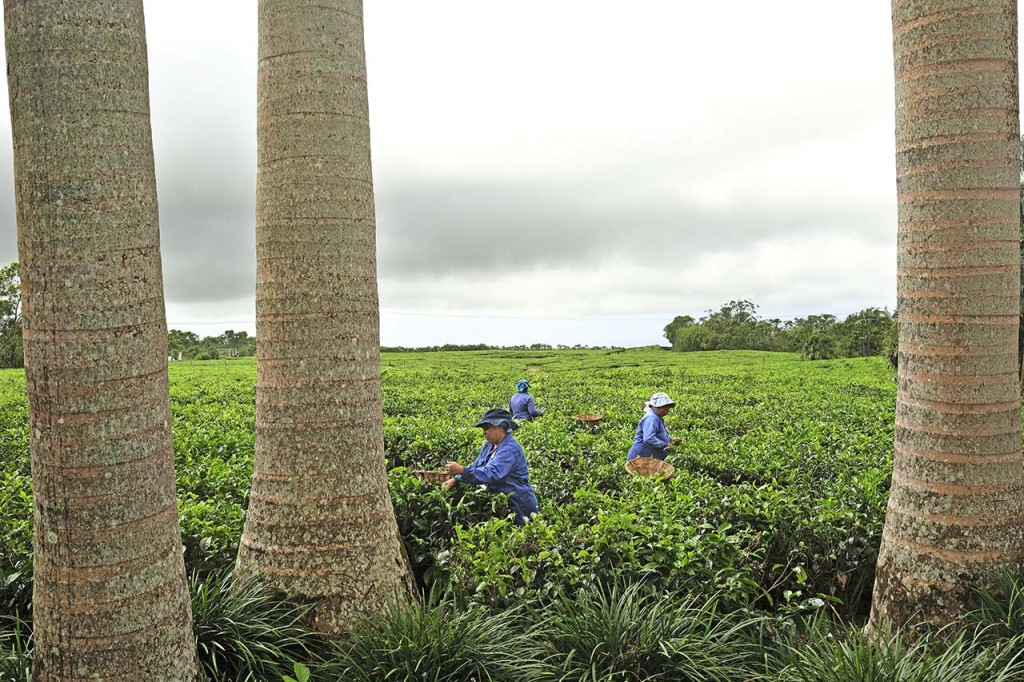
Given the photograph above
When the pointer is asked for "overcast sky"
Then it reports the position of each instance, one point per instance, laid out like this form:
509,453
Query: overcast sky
560,171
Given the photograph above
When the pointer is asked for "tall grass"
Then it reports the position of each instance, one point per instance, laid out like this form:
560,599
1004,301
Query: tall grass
1002,609
15,649
824,652
635,633
247,631
432,641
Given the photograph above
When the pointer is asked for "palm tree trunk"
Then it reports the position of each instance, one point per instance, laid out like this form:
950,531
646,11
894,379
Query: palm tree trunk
320,522
110,599
954,517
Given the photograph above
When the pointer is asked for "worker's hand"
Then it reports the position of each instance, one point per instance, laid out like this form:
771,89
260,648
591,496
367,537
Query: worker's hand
449,484
454,468
675,441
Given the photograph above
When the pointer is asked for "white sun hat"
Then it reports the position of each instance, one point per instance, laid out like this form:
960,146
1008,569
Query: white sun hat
660,400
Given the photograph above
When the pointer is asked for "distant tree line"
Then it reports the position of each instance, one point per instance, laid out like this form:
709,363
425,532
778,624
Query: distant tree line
736,326
11,354
181,345
188,346
484,346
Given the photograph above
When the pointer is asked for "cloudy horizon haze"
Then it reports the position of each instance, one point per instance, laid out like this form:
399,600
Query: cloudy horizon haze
554,171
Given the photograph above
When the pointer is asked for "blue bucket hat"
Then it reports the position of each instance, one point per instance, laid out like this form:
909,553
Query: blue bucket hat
522,385
498,417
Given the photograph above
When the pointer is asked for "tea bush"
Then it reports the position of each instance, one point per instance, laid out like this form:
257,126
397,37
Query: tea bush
777,502
778,497
15,496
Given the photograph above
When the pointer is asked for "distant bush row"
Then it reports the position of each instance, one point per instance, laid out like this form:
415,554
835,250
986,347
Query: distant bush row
484,346
736,326
183,345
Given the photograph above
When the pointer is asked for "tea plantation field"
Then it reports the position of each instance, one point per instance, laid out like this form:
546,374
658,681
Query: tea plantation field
777,502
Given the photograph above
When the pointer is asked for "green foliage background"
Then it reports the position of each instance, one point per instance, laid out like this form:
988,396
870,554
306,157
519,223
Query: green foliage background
736,326
11,352
777,502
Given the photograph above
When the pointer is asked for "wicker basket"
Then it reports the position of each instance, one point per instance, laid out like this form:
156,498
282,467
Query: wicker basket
588,419
431,476
649,466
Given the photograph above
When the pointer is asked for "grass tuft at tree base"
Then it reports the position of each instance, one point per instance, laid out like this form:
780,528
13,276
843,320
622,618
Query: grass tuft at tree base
248,631
433,640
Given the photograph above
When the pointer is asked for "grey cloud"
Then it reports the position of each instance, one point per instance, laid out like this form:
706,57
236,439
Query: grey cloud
206,224
207,256
626,188
206,185
206,174
8,221
433,228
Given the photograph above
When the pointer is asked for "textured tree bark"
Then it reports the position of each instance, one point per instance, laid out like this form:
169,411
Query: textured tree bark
955,516
110,599
320,523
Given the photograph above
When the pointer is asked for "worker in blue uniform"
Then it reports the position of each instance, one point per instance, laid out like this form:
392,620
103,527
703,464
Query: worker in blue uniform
652,439
522,406
501,465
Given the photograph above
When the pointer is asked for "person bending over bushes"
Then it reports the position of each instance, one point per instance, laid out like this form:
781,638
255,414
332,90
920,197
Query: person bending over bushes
652,439
522,406
501,465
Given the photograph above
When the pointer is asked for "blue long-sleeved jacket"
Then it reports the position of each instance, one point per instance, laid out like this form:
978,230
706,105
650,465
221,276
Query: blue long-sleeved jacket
651,438
504,470
523,408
